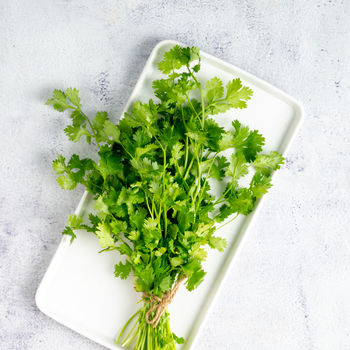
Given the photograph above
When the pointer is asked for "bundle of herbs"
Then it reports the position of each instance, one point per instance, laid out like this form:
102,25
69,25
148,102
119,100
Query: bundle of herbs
151,185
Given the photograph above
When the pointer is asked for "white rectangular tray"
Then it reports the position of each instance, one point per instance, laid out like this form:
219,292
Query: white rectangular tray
79,289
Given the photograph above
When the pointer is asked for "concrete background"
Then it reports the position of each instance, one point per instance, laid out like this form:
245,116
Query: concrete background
290,289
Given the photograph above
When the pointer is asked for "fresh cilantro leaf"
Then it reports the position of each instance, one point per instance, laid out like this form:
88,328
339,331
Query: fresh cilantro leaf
236,94
178,340
218,243
252,145
260,184
165,284
218,168
176,152
75,133
137,218
214,135
111,131
177,57
249,142
99,121
104,235
140,151
237,167
141,138
173,59
198,253
77,118
145,279
266,163
176,261
73,96
160,251
213,90
69,232
58,101
122,270
204,229
225,212
240,134
110,163
134,235
241,201
143,114
185,218
67,182
118,226
94,220
195,279
162,88
75,221
59,164
124,249
101,206
226,141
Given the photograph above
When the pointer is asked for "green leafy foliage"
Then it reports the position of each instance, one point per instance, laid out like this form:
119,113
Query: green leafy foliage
73,172
238,166
74,223
152,181
122,270
267,163
236,96
177,57
218,243
69,232
104,235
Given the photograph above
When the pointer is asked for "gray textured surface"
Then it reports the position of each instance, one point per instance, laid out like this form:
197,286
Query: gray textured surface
290,288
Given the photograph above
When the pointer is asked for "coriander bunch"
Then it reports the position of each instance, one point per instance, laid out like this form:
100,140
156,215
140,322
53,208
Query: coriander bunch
152,184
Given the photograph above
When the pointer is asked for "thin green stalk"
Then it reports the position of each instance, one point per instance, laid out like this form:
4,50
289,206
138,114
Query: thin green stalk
92,128
201,93
131,156
189,168
222,196
153,210
178,170
143,336
219,201
227,222
194,110
203,112
186,170
128,339
186,152
198,169
126,324
149,209
164,167
149,338
206,178
165,219
164,160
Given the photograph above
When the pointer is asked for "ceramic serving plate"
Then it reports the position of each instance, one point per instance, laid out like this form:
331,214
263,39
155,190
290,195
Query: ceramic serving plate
79,289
